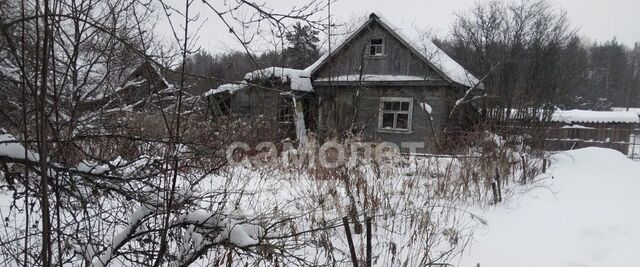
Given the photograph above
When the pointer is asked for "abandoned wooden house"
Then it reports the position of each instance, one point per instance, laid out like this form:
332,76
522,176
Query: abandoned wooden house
376,82
142,100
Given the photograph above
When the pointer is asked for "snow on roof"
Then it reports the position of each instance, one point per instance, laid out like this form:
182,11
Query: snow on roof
228,87
436,56
91,167
372,77
299,79
576,126
423,46
577,115
100,95
636,110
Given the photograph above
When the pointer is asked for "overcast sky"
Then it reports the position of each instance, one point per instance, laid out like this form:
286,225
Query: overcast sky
596,19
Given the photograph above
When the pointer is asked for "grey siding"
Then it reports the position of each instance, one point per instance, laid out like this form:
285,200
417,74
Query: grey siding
398,59
263,105
338,111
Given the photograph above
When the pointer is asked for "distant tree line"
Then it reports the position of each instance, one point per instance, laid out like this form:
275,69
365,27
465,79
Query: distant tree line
533,58
301,51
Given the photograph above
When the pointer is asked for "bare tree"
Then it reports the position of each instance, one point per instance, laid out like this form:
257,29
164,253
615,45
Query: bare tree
106,186
528,39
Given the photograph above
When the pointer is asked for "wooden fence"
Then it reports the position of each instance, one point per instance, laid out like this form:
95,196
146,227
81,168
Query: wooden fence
623,139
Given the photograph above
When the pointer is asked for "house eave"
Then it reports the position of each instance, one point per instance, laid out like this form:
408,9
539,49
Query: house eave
381,83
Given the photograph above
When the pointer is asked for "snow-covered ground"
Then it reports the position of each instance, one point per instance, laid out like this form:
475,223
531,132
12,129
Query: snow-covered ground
586,216
634,147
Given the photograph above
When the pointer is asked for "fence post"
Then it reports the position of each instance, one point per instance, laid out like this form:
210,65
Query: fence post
524,169
544,165
495,192
352,249
474,175
632,145
499,185
369,249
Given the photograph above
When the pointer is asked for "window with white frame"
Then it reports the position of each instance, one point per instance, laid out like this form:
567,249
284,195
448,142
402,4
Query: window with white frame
395,113
376,47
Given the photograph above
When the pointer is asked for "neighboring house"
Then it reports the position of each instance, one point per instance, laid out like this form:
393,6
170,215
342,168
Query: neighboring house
572,129
376,82
558,130
141,103
147,88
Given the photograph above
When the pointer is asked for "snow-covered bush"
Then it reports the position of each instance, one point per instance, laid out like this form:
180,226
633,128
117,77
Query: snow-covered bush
418,205
288,213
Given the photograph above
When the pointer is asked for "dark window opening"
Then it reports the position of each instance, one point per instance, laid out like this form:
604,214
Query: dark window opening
285,110
376,47
395,113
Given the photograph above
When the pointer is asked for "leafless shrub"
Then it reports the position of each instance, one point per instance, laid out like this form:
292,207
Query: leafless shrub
95,186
